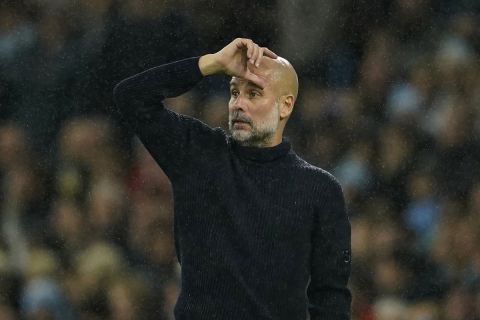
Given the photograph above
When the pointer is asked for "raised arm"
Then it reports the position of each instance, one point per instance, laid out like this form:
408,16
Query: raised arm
176,141
239,58
329,297
171,138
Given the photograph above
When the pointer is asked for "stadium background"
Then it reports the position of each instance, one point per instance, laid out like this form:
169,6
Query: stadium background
389,102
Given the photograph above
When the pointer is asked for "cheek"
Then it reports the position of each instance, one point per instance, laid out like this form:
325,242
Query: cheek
232,104
230,109
264,109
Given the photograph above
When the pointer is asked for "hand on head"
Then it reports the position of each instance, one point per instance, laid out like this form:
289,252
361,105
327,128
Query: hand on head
240,58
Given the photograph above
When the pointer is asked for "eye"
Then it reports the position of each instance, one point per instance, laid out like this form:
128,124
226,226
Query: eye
234,93
254,93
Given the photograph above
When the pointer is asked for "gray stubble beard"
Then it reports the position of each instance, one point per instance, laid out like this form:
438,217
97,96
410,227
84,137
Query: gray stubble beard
260,134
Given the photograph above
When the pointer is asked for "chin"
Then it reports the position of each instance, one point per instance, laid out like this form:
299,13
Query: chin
241,136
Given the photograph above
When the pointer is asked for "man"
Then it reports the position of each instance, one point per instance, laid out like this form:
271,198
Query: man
260,233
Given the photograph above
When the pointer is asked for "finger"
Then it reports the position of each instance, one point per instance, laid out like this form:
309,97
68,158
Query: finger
260,56
241,43
250,48
256,48
269,53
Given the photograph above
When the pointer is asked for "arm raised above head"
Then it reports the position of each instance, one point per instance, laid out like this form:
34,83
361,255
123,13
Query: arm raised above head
175,141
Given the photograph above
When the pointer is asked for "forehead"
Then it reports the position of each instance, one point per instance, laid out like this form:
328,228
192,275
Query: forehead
240,82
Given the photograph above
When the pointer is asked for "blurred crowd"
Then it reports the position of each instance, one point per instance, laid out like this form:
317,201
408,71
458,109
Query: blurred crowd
389,103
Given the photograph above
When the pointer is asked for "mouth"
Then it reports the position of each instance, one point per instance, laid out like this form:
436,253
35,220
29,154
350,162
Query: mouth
239,124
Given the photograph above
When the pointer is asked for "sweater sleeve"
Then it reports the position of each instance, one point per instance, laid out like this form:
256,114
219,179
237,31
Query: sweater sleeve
328,294
174,140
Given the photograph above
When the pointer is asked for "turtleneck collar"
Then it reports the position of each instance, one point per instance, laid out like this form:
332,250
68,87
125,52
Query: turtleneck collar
259,154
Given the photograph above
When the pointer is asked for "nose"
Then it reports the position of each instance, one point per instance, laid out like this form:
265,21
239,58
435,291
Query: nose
238,104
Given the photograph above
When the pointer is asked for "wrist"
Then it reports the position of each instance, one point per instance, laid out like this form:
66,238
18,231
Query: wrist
208,65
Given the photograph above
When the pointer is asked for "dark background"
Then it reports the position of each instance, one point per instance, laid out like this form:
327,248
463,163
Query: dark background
389,102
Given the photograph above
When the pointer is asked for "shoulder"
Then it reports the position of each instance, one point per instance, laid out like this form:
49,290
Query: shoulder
320,177
329,201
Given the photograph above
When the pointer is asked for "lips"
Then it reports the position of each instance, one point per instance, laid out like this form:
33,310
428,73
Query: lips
239,124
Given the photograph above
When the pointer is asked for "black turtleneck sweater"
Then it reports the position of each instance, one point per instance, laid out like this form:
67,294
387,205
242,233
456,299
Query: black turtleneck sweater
259,232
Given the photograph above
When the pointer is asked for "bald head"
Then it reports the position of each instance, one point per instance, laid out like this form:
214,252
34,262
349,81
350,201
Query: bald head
281,75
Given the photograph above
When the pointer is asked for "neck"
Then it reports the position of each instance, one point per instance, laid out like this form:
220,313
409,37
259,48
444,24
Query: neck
275,140
261,154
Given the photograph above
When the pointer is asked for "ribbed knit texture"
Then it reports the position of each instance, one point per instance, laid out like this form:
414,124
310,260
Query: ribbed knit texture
254,227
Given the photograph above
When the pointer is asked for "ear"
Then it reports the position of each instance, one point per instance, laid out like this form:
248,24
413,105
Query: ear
286,107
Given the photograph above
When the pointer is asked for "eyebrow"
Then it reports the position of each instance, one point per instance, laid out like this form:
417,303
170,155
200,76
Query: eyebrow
249,84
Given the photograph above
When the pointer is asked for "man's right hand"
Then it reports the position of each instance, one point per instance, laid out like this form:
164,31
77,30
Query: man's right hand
239,58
